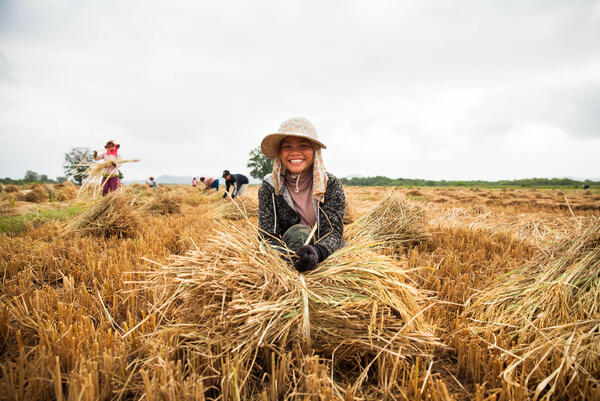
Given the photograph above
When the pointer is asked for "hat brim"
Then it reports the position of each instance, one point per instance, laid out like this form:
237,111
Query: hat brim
270,143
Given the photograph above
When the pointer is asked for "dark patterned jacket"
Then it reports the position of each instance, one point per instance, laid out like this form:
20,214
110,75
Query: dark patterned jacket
276,214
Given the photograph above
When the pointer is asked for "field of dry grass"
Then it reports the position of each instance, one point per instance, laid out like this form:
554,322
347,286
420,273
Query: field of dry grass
475,294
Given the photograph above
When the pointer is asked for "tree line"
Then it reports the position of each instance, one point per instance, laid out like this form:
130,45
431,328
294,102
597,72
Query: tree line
524,183
32,177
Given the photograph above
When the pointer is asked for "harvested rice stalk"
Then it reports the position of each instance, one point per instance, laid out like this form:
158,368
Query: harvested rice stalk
164,203
36,194
547,316
349,213
66,191
236,295
113,215
209,197
392,221
237,209
92,185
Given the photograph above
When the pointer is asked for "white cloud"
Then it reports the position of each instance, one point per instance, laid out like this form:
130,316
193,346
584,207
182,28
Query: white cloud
398,88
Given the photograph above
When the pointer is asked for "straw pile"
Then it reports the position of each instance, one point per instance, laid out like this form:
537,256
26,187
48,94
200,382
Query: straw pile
113,215
394,220
11,188
236,297
164,203
545,318
66,190
237,209
36,194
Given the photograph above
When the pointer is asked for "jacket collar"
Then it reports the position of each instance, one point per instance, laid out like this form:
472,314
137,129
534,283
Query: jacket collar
286,195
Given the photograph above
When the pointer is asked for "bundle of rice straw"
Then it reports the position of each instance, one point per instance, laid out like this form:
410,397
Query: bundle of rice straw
66,190
209,197
236,296
113,215
1,187
545,319
36,194
349,213
237,209
392,221
11,188
92,185
164,203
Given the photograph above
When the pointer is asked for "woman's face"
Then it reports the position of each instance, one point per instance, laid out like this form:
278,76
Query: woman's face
297,154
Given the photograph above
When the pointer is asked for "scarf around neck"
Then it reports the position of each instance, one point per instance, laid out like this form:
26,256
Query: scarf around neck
300,189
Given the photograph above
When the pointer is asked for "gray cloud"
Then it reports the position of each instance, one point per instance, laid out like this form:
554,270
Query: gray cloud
198,84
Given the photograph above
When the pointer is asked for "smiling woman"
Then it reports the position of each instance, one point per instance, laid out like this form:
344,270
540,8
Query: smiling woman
299,197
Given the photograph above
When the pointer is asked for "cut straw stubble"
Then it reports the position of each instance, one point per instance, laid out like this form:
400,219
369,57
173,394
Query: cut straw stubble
545,316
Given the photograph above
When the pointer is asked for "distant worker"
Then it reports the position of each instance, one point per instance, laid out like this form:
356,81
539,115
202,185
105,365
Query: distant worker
210,183
110,175
238,181
151,183
586,186
194,182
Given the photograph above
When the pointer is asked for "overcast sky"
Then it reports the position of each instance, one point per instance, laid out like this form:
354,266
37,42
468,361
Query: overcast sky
417,89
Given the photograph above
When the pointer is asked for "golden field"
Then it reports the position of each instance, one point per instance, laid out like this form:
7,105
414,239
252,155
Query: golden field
470,294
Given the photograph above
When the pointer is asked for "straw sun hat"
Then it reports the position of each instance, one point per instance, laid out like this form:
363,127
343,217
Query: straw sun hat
113,142
300,127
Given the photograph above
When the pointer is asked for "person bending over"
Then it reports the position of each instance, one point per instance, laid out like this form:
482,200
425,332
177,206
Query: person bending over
239,182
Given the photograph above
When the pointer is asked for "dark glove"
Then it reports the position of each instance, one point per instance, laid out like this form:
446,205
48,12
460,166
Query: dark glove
308,257
224,195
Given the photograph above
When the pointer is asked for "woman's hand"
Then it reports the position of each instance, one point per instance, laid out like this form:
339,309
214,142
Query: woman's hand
308,257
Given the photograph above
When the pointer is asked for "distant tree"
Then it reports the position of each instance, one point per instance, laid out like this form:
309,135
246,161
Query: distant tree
44,178
31,176
60,179
75,163
259,163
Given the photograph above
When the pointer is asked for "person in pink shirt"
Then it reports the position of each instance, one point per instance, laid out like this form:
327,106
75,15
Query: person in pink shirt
210,183
110,175
194,182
